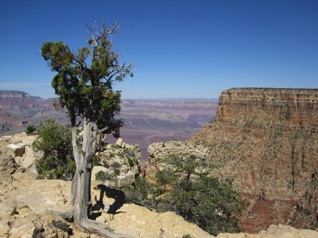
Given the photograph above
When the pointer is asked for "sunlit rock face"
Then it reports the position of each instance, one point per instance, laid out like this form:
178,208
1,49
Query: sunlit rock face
296,107
267,141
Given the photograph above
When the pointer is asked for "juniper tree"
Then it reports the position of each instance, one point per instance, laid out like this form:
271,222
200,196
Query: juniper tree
84,83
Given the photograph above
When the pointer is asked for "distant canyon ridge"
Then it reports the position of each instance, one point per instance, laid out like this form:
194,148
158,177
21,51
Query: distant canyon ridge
147,120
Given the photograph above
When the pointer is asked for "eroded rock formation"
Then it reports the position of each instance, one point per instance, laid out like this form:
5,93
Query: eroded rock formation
267,141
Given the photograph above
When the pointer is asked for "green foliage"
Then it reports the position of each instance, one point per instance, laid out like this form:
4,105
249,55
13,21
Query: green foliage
139,192
186,236
207,202
116,165
105,176
30,130
131,162
55,142
84,79
117,171
184,186
96,161
63,226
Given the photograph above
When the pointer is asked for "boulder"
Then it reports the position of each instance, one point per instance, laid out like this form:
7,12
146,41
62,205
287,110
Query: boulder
127,179
16,149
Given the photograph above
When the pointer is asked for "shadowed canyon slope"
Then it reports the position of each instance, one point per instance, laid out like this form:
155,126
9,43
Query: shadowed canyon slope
267,141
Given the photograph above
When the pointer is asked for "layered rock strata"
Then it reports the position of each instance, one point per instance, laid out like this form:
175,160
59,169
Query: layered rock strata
16,100
267,141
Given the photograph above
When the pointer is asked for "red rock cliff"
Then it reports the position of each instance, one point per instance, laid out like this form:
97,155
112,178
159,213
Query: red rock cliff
267,141
297,107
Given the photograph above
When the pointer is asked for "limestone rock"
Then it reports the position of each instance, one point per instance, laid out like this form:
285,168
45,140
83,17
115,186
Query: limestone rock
8,166
19,146
160,151
17,149
120,142
120,164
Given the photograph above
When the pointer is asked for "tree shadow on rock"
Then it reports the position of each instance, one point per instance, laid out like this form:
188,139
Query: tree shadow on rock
99,206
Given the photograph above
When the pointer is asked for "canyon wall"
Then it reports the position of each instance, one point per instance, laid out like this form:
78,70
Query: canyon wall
267,141
16,100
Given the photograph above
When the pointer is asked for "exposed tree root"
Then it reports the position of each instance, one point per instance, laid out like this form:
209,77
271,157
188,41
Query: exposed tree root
92,226
67,215
87,225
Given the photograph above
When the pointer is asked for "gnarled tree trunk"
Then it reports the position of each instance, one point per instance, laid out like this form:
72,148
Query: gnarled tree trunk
81,184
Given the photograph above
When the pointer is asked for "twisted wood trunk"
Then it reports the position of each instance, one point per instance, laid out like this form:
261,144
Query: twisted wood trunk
81,184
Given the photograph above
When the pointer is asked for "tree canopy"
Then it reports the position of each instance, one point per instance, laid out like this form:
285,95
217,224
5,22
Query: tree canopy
84,79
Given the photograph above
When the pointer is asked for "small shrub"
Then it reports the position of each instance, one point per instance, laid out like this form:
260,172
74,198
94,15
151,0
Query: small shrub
56,143
116,165
96,161
30,130
117,171
63,226
131,162
106,164
186,236
139,192
104,176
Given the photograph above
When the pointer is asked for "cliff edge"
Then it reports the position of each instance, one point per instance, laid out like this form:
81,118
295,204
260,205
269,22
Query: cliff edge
267,141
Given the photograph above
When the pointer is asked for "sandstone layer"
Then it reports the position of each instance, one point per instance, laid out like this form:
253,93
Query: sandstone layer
267,141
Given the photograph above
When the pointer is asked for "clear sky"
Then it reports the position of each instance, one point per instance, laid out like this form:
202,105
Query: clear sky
182,48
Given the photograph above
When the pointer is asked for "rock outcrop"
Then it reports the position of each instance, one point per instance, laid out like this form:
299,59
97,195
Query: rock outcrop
267,141
160,151
19,147
120,163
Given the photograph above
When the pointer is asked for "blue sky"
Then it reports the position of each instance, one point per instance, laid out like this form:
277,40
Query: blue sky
182,49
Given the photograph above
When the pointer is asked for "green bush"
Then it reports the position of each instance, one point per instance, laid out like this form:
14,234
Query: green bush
116,165
96,161
105,176
30,130
131,162
186,236
184,187
55,142
139,193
